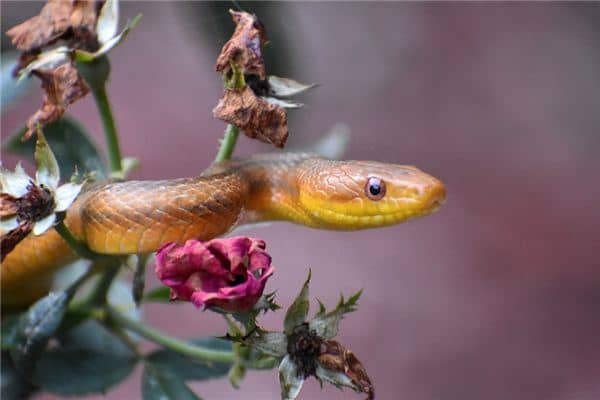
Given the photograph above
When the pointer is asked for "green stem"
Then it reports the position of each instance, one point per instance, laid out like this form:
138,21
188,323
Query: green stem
80,281
80,248
228,143
110,131
197,352
98,295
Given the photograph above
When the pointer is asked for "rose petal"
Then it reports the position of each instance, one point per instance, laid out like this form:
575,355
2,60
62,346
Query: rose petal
65,195
8,224
14,183
108,21
44,224
285,87
116,40
47,60
215,273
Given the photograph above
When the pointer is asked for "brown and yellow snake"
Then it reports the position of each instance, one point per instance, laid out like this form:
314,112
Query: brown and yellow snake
139,216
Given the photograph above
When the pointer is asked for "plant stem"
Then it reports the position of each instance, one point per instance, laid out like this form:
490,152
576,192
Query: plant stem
80,248
98,295
228,143
80,281
110,131
197,352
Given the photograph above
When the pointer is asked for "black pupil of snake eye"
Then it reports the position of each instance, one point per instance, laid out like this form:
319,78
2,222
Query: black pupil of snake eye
375,188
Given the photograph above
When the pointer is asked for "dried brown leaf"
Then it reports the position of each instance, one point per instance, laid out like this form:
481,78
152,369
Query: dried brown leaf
335,357
244,47
256,117
63,86
70,20
12,238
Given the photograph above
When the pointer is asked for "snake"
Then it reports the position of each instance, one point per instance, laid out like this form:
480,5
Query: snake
140,216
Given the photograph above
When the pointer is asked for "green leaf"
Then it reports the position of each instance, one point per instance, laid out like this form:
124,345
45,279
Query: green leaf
47,171
12,384
326,324
159,294
262,361
187,368
270,343
298,311
90,359
9,330
158,384
35,329
70,143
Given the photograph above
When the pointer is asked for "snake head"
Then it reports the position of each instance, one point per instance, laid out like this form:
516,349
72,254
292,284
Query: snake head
349,195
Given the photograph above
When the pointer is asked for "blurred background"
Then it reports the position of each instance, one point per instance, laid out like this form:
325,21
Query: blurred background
496,296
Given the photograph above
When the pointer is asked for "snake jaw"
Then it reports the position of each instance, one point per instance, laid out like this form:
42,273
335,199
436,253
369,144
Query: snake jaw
336,197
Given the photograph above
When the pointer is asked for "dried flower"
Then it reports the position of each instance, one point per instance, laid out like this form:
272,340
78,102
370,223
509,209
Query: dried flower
63,86
72,21
307,349
28,205
228,273
252,101
89,30
337,364
244,47
256,117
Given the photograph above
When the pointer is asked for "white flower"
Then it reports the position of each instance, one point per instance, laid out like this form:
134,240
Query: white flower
36,201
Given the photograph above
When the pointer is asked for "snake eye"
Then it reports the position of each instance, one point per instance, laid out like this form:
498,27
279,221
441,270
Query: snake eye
375,188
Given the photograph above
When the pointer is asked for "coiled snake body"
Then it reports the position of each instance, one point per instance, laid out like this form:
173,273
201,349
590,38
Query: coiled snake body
139,216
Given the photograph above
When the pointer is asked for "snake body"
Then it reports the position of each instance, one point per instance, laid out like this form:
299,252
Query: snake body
140,216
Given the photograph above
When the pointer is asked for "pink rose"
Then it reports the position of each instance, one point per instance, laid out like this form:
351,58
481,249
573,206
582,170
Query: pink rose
228,273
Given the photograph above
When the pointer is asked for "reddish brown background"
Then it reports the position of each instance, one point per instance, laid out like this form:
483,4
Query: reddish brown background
497,296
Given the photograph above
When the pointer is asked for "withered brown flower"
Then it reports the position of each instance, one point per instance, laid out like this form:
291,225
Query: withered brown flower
88,30
71,20
335,359
257,117
63,86
244,49
28,205
252,100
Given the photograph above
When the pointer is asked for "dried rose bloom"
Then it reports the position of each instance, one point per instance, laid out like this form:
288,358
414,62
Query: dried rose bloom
244,49
63,86
228,273
28,205
88,29
71,21
305,348
338,365
257,117
252,101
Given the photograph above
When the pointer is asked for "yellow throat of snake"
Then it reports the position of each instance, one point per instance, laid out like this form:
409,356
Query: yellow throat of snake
344,195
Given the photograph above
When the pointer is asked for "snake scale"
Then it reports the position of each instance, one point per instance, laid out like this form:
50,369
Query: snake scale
139,216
